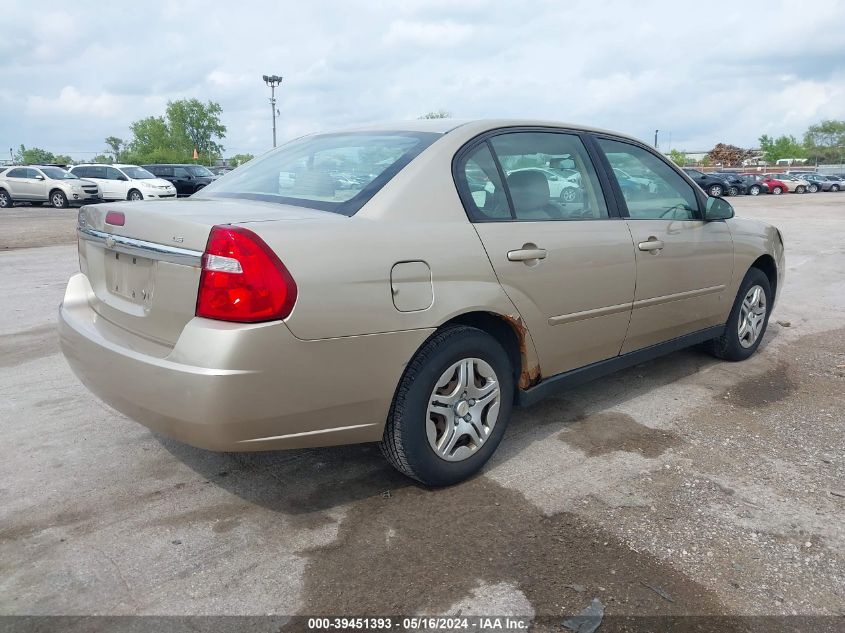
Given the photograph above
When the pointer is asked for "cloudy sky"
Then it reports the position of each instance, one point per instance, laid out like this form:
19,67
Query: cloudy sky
73,73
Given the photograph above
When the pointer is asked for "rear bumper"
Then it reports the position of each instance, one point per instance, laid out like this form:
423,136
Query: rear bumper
236,387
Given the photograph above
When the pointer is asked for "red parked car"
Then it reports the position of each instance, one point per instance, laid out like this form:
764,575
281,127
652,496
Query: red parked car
775,186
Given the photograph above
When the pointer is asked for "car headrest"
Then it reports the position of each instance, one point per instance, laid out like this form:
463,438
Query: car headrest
529,190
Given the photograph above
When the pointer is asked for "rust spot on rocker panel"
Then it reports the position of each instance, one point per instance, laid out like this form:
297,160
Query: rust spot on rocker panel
529,375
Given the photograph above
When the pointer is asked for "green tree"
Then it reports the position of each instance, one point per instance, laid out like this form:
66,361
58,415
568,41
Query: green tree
825,141
115,147
34,156
187,124
437,114
705,161
784,146
62,159
197,125
678,157
103,159
240,159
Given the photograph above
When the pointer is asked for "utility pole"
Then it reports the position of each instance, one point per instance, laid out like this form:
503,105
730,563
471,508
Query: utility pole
655,138
273,81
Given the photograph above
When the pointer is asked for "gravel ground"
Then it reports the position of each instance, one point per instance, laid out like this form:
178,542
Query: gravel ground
682,486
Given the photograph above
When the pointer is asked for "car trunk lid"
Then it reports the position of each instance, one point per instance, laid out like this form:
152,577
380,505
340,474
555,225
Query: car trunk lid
144,263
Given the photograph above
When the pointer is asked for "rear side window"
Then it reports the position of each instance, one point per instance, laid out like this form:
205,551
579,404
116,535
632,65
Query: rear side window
331,172
547,176
16,173
652,190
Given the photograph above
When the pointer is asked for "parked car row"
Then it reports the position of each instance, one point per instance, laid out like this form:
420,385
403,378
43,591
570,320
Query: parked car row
723,183
89,183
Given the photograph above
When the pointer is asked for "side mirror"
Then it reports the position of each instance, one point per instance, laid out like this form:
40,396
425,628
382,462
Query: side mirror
39,177
718,209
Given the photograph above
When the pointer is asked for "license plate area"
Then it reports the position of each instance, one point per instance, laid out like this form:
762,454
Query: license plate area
129,277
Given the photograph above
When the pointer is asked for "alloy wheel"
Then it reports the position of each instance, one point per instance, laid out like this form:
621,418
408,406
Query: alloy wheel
752,316
754,191
5,201
462,409
716,191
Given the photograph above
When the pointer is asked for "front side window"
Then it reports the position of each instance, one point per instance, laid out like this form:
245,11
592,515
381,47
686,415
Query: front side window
549,176
332,172
99,172
180,172
57,173
652,190
137,173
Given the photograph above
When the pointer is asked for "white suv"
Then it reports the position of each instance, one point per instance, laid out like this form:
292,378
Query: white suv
125,182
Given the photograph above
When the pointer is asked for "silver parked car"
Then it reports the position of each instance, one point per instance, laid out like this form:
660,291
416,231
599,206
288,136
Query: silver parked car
37,184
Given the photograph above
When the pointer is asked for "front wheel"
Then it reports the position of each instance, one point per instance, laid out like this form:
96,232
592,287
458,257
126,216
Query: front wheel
5,199
814,188
733,191
451,407
754,190
58,199
834,187
716,191
748,319
800,189
135,195
777,191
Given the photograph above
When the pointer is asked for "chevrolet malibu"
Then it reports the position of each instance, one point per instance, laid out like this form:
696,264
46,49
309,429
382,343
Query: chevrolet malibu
413,309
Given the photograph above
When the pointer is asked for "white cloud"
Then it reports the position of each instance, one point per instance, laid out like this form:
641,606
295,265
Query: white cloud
72,77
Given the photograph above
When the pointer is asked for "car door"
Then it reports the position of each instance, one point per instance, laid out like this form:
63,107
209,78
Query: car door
17,183
114,184
183,181
684,264
567,265
38,184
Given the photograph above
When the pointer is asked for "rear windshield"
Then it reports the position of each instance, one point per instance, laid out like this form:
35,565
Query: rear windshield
331,172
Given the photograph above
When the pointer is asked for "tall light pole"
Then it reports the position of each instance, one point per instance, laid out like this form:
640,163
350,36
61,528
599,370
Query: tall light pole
273,81
655,138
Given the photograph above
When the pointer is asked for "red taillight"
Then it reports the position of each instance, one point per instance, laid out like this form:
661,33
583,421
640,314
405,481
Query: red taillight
242,279
115,218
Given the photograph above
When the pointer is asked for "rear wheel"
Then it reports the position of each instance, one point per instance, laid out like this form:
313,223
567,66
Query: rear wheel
715,191
834,187
813,188
135,195
733,191
800,189
748,319
451,407
754,190
777,190
5,199
58,199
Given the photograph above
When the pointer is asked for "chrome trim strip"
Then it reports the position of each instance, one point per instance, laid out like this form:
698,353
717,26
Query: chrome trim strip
589,314
141,248
646,303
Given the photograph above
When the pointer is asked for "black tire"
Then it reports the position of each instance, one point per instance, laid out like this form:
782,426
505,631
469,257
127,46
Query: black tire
754,190
800,189
777,190
715,191
733,191
727,346
134,195
405,442
6,201
58,199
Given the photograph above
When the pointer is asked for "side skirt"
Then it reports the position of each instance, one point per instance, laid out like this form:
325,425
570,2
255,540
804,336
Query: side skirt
550,386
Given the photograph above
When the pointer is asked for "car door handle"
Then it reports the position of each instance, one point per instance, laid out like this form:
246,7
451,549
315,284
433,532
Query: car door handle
527,254
653,244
